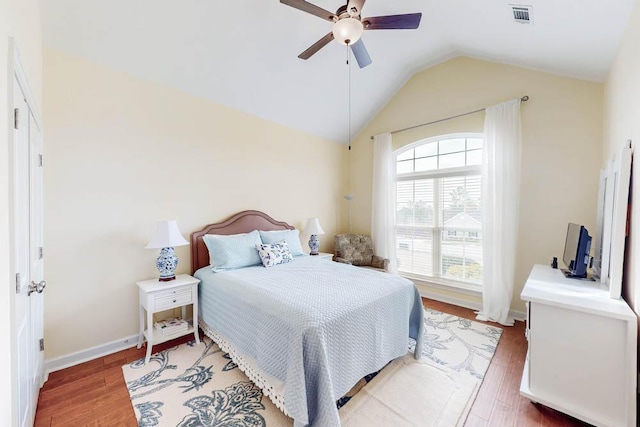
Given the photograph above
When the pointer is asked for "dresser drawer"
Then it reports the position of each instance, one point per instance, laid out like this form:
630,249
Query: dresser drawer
172,298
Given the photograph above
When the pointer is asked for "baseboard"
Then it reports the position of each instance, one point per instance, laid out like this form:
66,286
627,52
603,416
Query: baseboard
82,356
518,315
476,306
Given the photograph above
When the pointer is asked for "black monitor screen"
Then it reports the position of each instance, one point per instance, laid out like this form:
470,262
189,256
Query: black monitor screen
576,251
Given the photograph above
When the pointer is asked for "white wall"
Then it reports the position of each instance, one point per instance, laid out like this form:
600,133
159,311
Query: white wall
5,281
122,153
622,123
19,19
6,401
561,154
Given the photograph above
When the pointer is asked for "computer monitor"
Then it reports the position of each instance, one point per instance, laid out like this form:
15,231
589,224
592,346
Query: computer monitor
576,251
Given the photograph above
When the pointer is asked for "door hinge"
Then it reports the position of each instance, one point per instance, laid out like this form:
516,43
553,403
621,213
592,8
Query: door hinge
41,252
40,160
16,117
18,283
41,344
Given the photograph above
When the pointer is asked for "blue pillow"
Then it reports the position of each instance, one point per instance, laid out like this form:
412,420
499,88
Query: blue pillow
233,251
292,237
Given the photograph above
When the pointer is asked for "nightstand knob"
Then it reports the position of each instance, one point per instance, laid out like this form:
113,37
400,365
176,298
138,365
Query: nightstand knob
174,300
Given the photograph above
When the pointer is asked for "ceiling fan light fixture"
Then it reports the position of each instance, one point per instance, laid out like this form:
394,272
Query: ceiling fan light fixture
347,31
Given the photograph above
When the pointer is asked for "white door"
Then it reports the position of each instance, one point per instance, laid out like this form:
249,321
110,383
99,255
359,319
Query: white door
21,237
26,255
37,254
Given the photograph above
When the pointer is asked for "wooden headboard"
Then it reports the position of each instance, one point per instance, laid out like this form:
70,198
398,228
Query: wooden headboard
242,222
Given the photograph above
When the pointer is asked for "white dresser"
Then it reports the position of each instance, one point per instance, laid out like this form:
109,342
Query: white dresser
582,349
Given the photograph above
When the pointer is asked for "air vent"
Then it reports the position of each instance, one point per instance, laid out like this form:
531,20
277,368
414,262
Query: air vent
522,14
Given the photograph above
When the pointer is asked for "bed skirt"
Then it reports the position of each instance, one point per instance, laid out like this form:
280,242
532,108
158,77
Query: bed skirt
270,386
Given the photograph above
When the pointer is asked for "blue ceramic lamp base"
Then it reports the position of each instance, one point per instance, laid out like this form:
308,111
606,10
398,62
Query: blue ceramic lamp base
314,244
166,263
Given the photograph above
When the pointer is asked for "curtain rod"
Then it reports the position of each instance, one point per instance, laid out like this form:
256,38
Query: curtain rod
524,99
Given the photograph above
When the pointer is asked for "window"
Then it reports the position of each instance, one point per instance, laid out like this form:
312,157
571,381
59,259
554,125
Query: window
438,209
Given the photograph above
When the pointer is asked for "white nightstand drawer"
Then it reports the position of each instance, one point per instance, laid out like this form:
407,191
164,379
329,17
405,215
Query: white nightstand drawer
171,293
172,298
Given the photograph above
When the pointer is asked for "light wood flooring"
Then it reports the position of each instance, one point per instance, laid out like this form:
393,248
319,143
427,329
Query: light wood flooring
94,393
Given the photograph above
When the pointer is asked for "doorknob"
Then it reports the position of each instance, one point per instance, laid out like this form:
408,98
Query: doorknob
37,287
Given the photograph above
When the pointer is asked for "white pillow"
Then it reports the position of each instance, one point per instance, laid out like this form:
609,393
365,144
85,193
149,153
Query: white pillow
233,251
274,253
292,237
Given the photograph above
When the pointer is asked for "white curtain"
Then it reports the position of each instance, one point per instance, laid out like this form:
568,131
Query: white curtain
500,198
383,212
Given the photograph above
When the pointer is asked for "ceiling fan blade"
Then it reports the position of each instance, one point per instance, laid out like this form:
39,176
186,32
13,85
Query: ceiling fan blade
410,21
354,7
316,47
361,54
310,8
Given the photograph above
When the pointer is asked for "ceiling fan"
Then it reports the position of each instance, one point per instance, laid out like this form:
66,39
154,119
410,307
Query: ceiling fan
348,26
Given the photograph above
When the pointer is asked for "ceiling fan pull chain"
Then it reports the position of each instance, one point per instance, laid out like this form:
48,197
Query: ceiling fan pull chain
349,71
347,54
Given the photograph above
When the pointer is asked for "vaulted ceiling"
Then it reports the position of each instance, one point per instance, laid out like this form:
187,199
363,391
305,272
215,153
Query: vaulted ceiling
243,53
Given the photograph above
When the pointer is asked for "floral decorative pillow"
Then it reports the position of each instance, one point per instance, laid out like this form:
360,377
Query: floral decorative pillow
274,253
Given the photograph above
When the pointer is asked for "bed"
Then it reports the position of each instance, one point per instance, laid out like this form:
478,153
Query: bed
305,331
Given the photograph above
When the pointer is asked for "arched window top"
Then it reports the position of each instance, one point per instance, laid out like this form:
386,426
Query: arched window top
454,151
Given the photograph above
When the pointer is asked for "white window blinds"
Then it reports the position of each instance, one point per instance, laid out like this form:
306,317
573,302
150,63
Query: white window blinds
438,209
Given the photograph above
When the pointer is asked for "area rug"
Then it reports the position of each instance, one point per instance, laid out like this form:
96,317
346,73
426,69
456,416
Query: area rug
199,385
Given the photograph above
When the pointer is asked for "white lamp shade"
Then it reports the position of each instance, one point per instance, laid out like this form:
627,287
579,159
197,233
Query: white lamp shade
167,235
348,30
313,227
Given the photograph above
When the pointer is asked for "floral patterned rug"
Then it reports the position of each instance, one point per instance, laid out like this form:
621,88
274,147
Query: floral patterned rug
458,344
199,385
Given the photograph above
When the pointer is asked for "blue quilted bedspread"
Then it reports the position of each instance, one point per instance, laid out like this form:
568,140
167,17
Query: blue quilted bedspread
317,325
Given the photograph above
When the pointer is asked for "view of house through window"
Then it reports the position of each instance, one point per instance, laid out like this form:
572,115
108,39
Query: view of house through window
438,209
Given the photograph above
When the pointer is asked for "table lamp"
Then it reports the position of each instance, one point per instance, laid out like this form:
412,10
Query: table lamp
167,236
313,229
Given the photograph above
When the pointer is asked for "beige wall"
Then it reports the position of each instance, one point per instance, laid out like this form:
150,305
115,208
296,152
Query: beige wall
562,145
19,19
622,123
122,153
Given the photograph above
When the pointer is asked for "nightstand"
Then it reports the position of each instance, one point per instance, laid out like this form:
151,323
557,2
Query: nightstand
323,255
155,296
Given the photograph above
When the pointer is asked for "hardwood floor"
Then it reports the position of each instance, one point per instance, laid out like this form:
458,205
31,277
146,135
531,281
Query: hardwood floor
94,393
